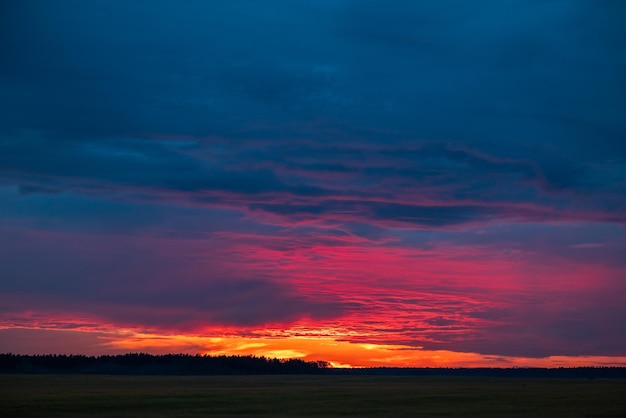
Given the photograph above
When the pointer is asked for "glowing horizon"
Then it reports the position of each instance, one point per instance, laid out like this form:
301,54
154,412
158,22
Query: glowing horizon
337,353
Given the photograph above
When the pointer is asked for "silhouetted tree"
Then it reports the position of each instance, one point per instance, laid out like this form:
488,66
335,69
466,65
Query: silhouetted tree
142,363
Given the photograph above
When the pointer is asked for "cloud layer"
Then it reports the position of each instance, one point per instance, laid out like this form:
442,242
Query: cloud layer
433,174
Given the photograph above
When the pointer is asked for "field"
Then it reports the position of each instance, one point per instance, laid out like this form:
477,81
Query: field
290,396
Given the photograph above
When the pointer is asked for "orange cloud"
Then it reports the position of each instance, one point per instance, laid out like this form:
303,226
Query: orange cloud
342,353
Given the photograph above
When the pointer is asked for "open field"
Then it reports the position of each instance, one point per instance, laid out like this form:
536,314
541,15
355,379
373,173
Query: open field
288,396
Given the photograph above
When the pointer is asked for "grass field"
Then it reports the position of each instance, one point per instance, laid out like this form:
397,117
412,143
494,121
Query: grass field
290,396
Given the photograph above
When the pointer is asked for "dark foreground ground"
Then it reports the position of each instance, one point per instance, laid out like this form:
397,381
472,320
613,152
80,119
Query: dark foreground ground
290,396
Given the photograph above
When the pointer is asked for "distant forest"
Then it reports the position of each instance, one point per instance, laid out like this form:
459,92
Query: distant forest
147,364
185,364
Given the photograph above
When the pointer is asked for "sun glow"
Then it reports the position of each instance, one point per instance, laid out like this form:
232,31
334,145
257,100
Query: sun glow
341,353
331,349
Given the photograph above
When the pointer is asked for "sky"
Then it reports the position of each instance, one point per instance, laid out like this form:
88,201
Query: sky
369,183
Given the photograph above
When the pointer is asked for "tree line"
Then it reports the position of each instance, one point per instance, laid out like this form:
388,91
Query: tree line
187,364
147,364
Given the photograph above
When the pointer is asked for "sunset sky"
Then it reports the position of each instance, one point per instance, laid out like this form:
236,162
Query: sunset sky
398,183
